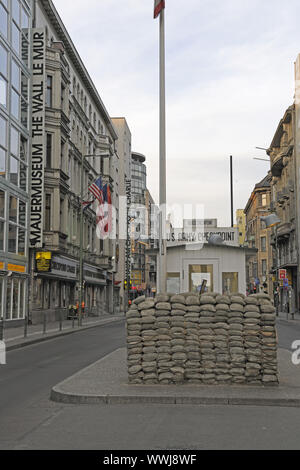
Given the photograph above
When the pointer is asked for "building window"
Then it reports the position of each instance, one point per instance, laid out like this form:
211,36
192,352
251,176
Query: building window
62,222
264,200
264,267
48,213
263,244
63,90
230,282
62,161
198,274
17,233
3,146
15,38
49,91
49,151
2,232
3,21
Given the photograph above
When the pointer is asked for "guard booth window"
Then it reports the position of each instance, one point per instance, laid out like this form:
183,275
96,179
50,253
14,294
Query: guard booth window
199,273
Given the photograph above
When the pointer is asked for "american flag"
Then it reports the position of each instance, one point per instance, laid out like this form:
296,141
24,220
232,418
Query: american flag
87,204
96,189
159,5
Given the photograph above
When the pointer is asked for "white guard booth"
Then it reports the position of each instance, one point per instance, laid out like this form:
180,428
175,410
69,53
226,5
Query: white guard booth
222,266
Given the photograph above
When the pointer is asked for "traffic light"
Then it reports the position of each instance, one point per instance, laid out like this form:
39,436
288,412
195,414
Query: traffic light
127,284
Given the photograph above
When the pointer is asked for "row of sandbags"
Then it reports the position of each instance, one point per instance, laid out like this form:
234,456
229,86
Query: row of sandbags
207,339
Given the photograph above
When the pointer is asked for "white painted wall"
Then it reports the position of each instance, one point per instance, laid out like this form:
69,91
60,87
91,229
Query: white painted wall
223,259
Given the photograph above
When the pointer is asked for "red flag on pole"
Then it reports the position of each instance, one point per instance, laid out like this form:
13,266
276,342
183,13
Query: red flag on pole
159,5
104,214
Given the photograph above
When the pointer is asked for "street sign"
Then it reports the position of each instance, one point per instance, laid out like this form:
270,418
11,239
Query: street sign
43,262
285,282
282,274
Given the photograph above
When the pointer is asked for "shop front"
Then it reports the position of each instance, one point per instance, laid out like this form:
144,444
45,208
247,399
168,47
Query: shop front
94,290
13,293
53,287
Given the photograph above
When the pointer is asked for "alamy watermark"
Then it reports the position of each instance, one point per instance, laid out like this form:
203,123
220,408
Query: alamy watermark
142,223
2,353
296,353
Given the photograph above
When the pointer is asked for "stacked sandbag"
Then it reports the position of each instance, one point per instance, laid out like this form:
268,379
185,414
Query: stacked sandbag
177,329
268,341
207,336
252,340
207,339
221,330
192,347
134,345
148,334
163,340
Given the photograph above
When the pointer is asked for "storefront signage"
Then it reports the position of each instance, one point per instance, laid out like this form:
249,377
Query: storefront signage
16,268
63,267
282,274
38,137
128,240
93,275
229,236
43,262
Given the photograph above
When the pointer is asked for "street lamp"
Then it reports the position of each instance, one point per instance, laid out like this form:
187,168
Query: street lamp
273,220
101,155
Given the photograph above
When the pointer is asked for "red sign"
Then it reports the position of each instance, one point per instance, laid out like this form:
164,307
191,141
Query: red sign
282,274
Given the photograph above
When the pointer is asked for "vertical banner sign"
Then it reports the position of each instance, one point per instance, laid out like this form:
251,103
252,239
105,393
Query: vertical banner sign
38,137
128,239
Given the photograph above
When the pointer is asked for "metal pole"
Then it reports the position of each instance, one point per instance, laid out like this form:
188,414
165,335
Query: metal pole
162,158
81,245
231,190
113,294
1,328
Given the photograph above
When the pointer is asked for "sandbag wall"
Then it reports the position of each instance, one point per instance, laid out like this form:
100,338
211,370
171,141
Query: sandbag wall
209,339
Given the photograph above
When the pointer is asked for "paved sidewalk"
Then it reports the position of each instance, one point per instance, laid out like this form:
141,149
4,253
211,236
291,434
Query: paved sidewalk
14,337
288,317
106,382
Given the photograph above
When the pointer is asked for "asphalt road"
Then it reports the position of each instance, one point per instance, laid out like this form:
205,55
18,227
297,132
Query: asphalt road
288,332
29,420
31,372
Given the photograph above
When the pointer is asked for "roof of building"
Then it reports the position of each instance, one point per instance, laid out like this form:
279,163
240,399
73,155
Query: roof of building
206,245
64,36
265,182
138,157
279,131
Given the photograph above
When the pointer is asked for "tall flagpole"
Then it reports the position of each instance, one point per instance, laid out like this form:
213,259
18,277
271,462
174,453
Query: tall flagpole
162,286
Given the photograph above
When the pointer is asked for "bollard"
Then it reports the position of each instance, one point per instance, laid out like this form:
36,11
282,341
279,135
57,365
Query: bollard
60,321
44,324
25,326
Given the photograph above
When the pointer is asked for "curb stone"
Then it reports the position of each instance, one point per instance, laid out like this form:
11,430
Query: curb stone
32,342
85,387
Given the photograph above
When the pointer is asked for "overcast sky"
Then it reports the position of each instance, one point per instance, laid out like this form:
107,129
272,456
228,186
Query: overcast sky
230,77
